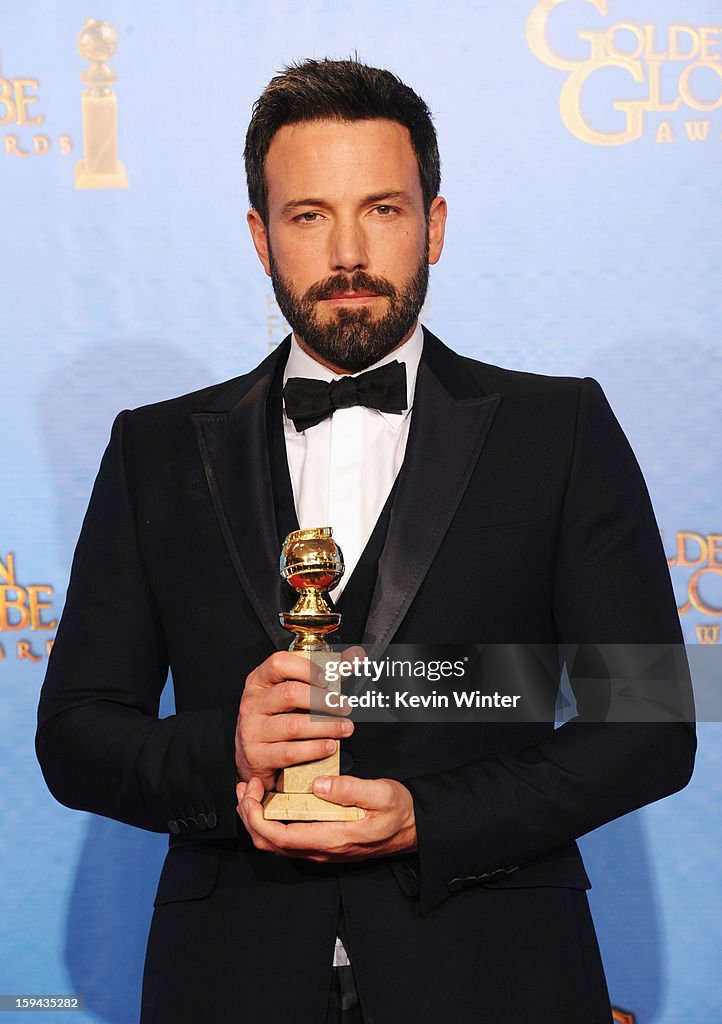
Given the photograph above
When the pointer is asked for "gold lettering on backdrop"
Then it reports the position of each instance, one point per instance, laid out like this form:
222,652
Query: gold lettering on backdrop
697,131
22,607
7,570
648,55
13,146
25,651
17,96
707,634
695,599
685,554
703,554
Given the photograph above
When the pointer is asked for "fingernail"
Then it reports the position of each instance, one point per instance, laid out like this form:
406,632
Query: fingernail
347,728
322,784
330,746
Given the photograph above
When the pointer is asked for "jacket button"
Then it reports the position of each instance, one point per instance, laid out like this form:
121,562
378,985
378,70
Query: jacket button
212,819
173,826
202,822
345,762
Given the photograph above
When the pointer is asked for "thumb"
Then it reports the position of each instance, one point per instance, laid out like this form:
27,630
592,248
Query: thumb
350,791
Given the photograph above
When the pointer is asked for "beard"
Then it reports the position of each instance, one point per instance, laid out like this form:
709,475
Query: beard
353,339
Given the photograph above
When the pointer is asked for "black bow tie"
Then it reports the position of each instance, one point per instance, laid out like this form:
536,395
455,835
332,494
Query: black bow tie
310,401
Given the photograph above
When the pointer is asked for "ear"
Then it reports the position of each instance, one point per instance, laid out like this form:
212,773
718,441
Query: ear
437,227
259,234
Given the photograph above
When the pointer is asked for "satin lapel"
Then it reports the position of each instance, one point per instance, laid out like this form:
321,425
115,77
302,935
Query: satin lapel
235,453
449,425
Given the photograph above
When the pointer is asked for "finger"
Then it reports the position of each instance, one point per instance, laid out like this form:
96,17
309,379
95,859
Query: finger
293,695
347,790
279,667
304,727
285,696
272,756
352,652
267,835
254,789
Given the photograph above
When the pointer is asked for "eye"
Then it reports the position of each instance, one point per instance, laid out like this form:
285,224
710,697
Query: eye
309,217
385,211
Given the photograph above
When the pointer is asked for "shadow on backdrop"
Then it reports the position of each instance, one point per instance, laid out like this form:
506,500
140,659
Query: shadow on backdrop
111,898
625,915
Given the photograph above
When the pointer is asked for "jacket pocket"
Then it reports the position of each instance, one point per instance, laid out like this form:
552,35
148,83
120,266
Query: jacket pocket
510,512
189,873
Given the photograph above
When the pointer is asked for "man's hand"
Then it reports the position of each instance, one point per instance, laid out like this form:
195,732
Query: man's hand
388,825
269,735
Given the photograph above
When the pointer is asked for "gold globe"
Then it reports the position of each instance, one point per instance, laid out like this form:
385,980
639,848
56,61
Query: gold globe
98,40
312,563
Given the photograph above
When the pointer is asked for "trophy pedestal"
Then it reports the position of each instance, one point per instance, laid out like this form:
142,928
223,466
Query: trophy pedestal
294,799
306,807
93,179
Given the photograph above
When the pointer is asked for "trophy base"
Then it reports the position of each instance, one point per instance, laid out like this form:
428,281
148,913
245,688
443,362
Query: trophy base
306,807
92,179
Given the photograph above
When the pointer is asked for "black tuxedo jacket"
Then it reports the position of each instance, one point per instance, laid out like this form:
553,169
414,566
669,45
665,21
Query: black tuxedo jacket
520,516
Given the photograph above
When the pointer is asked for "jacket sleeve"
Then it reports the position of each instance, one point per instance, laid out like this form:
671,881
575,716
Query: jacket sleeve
100,743
480,821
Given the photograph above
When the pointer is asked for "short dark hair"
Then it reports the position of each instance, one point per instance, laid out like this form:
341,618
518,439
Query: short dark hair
338,90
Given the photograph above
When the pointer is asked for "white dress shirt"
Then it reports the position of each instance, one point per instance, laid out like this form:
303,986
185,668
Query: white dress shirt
342,470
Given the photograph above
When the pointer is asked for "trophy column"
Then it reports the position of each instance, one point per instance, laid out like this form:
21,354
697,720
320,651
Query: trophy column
312,563
100,167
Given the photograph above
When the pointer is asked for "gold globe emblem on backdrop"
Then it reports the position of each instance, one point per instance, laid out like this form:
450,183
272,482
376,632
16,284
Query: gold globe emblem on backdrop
100,167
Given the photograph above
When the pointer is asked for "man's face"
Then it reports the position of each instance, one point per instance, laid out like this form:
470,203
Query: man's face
347,241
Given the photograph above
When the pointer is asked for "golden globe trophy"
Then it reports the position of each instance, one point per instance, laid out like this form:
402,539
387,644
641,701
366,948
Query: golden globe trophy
312,562
100,167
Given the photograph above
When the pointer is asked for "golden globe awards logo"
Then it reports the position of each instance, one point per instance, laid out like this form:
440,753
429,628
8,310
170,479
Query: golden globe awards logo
673,74
699,556
21,114
24,609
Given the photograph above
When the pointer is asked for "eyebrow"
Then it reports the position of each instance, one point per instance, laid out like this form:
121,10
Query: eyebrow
377,197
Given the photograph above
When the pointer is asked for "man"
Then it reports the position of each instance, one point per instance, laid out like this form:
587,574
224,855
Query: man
482,505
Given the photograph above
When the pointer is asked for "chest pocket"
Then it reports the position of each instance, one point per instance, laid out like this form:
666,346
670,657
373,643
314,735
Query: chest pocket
507,512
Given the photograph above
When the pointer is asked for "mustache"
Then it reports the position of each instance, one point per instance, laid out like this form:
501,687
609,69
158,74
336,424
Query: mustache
359,281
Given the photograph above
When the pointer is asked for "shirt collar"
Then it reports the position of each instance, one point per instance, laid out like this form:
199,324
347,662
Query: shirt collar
301,364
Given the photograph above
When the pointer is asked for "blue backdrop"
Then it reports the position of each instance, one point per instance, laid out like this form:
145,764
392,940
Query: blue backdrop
581,144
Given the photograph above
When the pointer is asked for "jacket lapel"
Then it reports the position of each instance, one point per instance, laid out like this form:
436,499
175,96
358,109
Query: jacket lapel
233,443
450,422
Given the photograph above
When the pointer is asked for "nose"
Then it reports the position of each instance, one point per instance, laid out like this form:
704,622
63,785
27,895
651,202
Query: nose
348,247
